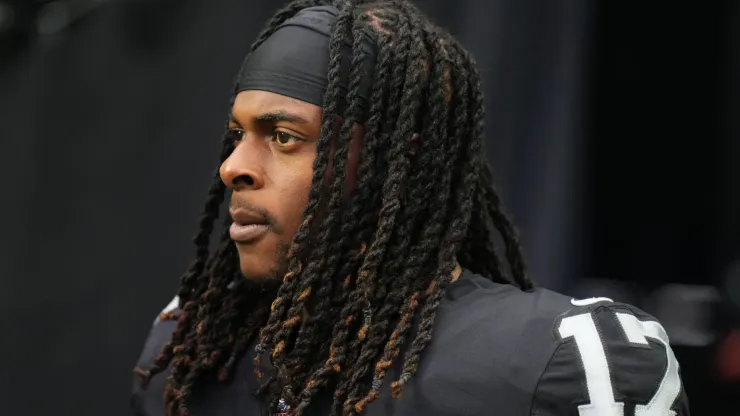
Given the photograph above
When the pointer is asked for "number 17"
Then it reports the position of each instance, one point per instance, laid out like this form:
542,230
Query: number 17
598,378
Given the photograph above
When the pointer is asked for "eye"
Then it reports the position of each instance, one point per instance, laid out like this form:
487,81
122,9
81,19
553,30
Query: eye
234,135
284,139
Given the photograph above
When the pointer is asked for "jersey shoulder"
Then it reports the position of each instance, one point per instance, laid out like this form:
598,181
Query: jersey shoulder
148,402
541,353
610,359
501,318
491,341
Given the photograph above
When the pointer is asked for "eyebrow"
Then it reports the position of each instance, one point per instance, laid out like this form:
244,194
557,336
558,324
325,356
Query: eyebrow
277,116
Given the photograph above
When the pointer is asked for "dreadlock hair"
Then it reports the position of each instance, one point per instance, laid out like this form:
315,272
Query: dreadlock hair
366,274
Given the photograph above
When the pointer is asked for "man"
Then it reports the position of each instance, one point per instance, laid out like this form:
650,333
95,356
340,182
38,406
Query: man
356,273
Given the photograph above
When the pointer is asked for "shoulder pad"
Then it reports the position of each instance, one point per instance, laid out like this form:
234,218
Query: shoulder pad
611,358
173,306
148,402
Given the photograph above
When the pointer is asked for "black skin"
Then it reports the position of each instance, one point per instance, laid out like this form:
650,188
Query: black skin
270,171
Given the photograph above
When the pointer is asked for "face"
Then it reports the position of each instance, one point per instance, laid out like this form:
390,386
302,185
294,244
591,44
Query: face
270,172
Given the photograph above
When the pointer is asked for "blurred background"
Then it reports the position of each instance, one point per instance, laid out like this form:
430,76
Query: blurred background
613,131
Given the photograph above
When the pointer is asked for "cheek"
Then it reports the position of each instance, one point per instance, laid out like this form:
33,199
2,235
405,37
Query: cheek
294,184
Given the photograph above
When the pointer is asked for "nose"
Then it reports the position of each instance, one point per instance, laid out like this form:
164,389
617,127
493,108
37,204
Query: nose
242,170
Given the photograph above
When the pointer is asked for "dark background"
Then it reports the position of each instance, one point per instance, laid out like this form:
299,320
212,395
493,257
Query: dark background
613,131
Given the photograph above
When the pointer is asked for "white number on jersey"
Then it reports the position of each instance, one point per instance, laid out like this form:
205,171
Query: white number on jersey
598,379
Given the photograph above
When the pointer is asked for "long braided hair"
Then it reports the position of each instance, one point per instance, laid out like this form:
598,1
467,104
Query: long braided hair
367,272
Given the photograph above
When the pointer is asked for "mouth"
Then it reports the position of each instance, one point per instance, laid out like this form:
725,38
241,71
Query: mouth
248,226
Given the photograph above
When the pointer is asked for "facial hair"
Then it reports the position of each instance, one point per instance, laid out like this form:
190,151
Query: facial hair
269,285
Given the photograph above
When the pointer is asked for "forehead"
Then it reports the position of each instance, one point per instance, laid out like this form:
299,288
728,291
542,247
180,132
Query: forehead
250,104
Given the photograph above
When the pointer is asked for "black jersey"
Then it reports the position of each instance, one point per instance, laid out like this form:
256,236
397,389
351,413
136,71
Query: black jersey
499,351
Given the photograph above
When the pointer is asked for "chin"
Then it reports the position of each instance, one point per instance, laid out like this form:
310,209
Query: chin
254,269
262,265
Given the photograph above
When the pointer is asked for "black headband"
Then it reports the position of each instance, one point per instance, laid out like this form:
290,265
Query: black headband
294,61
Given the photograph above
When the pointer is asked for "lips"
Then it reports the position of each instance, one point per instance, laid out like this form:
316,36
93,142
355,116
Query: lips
248,226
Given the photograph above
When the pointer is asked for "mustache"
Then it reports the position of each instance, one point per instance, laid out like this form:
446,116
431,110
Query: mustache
240,204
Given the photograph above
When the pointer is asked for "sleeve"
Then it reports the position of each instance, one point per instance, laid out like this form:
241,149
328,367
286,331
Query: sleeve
611,359
148,402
